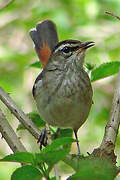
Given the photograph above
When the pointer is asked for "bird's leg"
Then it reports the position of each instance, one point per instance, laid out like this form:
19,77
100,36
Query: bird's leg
78,147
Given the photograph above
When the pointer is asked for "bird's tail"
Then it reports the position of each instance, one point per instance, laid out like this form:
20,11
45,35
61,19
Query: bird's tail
45,39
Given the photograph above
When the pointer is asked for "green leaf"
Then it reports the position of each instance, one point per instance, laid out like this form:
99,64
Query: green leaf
89,66
35,117
94,169
35,65
20,127
51,157
57,143
64,133
27,172
21,157
105,70
53,178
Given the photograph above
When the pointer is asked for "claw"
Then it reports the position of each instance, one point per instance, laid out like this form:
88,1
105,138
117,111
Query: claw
43,138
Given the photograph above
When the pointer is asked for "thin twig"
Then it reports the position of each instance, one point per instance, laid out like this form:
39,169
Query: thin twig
9,135
7,4
106,12
19,114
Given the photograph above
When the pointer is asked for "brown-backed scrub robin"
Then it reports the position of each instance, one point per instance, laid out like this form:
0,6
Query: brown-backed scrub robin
62,91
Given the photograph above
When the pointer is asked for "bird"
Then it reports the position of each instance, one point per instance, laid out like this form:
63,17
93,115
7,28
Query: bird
62,91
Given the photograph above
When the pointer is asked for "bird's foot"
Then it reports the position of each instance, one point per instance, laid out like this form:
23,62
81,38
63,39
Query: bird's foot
43,138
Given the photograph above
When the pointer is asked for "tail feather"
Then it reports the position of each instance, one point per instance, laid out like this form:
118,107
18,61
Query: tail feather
45,39
35,37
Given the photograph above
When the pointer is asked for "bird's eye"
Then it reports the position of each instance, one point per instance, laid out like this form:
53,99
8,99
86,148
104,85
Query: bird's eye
66,49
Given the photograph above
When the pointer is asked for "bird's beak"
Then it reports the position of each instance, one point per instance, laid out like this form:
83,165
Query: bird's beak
86,45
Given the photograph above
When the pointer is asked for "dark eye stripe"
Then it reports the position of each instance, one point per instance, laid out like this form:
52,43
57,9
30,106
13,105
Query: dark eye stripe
67,49
74,48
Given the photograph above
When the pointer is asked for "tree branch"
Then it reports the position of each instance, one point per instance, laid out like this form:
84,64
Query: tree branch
109,13
107,146
7,4
111,129
19,114
9,135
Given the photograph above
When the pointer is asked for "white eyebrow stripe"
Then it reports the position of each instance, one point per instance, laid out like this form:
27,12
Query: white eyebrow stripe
62,46
65,45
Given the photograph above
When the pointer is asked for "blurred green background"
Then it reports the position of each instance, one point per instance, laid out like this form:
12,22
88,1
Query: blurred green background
75,19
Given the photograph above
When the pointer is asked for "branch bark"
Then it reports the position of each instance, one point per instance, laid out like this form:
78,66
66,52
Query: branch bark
19,114
9,135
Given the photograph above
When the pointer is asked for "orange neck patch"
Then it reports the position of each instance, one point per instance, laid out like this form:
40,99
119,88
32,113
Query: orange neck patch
44,54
